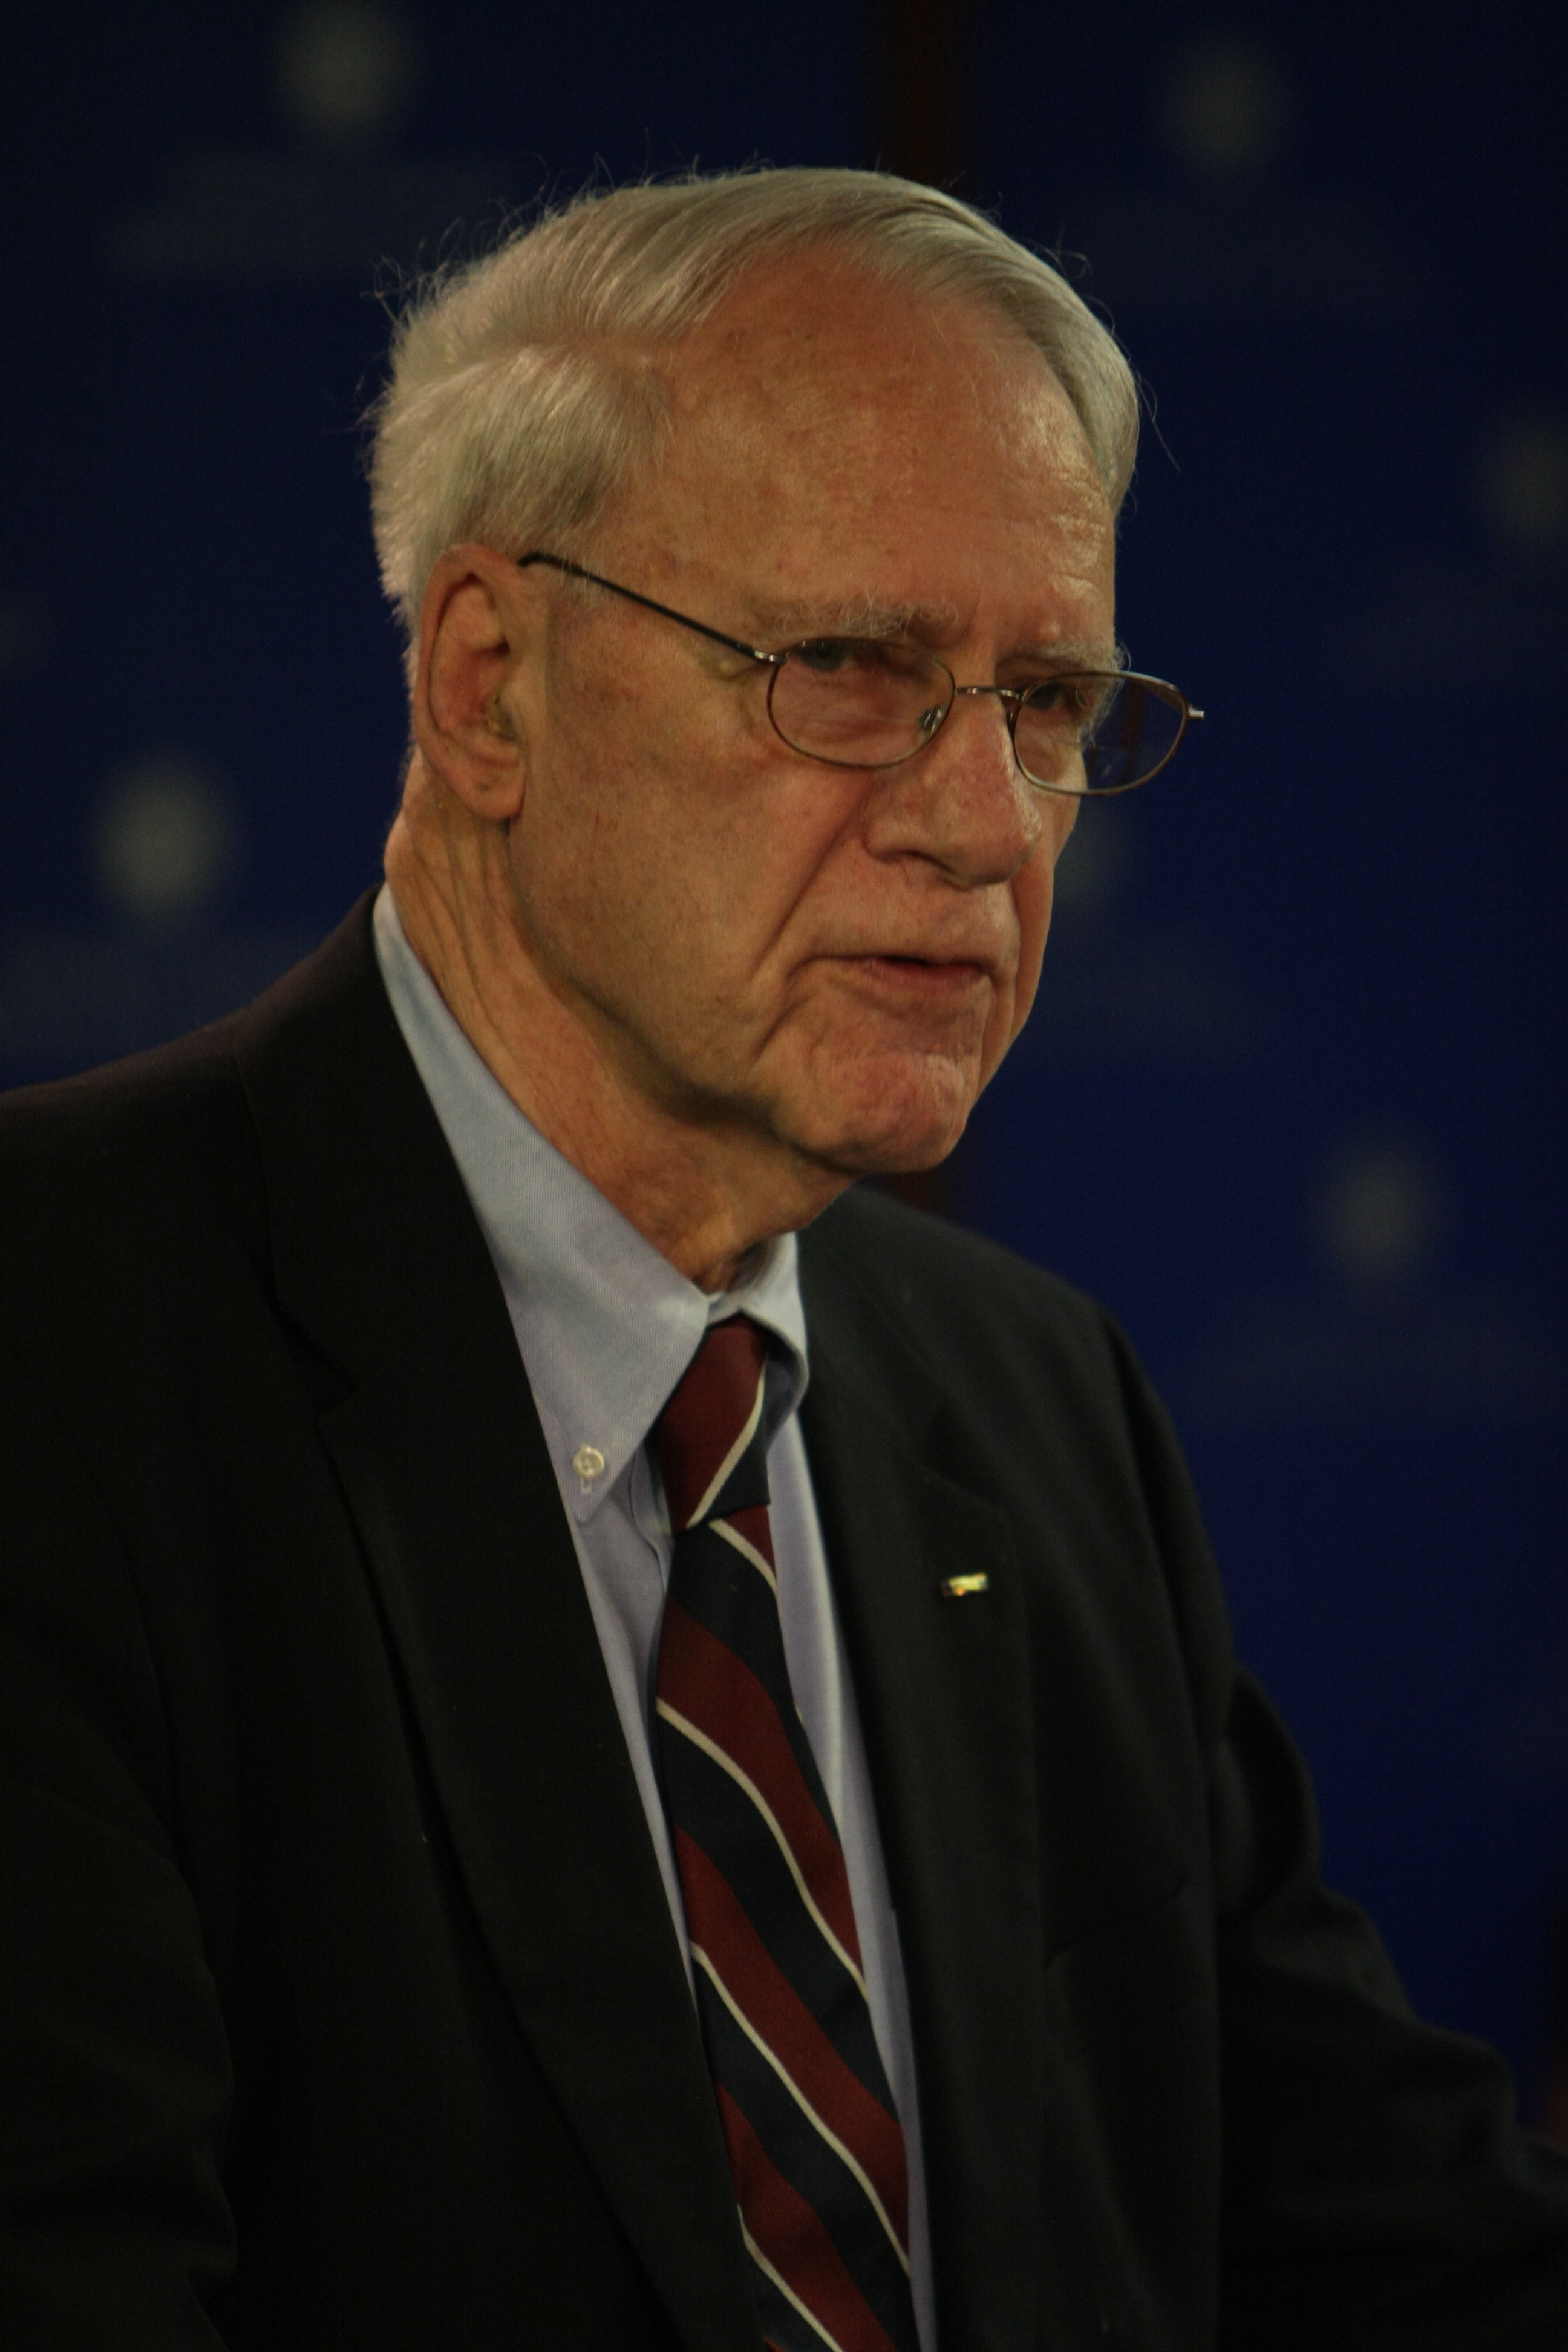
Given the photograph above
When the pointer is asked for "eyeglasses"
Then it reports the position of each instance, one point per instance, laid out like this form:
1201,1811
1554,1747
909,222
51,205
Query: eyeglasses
861,703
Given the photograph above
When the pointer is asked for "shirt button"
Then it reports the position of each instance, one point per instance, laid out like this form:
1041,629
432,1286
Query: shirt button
589,1464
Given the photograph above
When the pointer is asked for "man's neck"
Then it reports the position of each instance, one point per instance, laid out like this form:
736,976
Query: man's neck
704,1193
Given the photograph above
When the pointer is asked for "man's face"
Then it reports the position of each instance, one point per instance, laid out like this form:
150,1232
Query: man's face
832,959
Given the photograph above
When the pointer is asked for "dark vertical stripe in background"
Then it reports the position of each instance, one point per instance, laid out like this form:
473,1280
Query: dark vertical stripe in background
923,69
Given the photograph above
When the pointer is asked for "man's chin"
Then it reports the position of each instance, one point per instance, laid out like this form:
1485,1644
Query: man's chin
892,1156
913,1130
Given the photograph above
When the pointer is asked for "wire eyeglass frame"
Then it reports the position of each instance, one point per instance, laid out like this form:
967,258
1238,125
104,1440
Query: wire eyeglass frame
1013,699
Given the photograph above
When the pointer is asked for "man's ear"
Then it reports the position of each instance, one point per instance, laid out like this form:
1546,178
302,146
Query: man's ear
479,624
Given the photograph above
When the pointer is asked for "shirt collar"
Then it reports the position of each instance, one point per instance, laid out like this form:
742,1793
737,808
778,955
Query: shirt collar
606,1324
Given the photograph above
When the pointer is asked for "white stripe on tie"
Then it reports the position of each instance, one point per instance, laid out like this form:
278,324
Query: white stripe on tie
728,1764
847,2155
716,1484
785,2289
733,1535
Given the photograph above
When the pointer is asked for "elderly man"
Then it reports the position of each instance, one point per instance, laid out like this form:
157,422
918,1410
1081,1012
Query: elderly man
581,1771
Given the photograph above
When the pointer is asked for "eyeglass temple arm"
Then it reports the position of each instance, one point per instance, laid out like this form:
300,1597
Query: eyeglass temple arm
698,628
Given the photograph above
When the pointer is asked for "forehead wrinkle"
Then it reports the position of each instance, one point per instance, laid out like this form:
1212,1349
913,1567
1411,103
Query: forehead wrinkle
791,618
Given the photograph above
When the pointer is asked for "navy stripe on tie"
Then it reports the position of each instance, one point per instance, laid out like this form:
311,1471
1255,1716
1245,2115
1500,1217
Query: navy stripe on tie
727,1595
806,2160
720,1817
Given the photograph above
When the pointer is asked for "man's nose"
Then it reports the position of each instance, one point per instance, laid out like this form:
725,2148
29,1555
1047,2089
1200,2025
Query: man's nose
962,801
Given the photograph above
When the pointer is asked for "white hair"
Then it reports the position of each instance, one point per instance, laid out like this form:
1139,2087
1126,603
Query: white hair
523,386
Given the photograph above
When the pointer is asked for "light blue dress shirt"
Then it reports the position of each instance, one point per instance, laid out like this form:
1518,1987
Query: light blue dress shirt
606,1327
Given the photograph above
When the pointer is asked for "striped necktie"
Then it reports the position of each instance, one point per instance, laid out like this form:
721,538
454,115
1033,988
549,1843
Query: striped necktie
815,2144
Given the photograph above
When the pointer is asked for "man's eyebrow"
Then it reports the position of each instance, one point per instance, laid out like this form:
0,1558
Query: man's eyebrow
790,620
1066,654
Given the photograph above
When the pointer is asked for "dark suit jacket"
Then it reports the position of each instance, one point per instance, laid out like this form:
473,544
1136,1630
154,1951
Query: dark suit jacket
340,2003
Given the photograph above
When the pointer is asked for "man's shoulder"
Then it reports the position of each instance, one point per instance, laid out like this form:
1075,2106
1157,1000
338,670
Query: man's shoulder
83,1149
191,1085
97,1167
951,1295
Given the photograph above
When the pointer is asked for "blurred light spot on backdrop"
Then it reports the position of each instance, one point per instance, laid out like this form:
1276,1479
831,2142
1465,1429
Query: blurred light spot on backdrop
163,842
1527,1736
1522,482
1168,993
1206,224
1091,872
1226,107
1495,616
1385,1336
1117,987
346,71
337,210
165,838
1380,1213
24,631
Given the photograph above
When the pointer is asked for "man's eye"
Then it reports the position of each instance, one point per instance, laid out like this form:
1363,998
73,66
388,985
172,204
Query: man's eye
873,661
829,656
1076,702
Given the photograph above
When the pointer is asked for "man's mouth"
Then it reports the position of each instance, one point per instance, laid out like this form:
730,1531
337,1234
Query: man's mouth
931,974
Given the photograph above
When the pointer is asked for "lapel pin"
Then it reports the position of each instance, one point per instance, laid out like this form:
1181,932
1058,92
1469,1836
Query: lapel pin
959,1588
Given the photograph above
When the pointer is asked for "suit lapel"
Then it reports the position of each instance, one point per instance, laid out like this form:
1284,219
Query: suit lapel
944,1696
379,1262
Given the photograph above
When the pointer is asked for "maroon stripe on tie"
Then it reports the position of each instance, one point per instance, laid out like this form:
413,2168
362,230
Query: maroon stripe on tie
705,1681
795,2239
709,1415
764,1995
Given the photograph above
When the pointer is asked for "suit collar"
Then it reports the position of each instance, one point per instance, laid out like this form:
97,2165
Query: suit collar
380,1267
944,1697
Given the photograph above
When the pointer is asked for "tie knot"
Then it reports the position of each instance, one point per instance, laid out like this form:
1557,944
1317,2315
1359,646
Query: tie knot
710,1439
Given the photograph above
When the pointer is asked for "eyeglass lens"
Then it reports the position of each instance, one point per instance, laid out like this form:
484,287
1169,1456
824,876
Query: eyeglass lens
862,704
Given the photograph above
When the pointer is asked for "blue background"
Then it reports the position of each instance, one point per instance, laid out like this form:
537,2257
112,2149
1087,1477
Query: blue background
1292,1100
